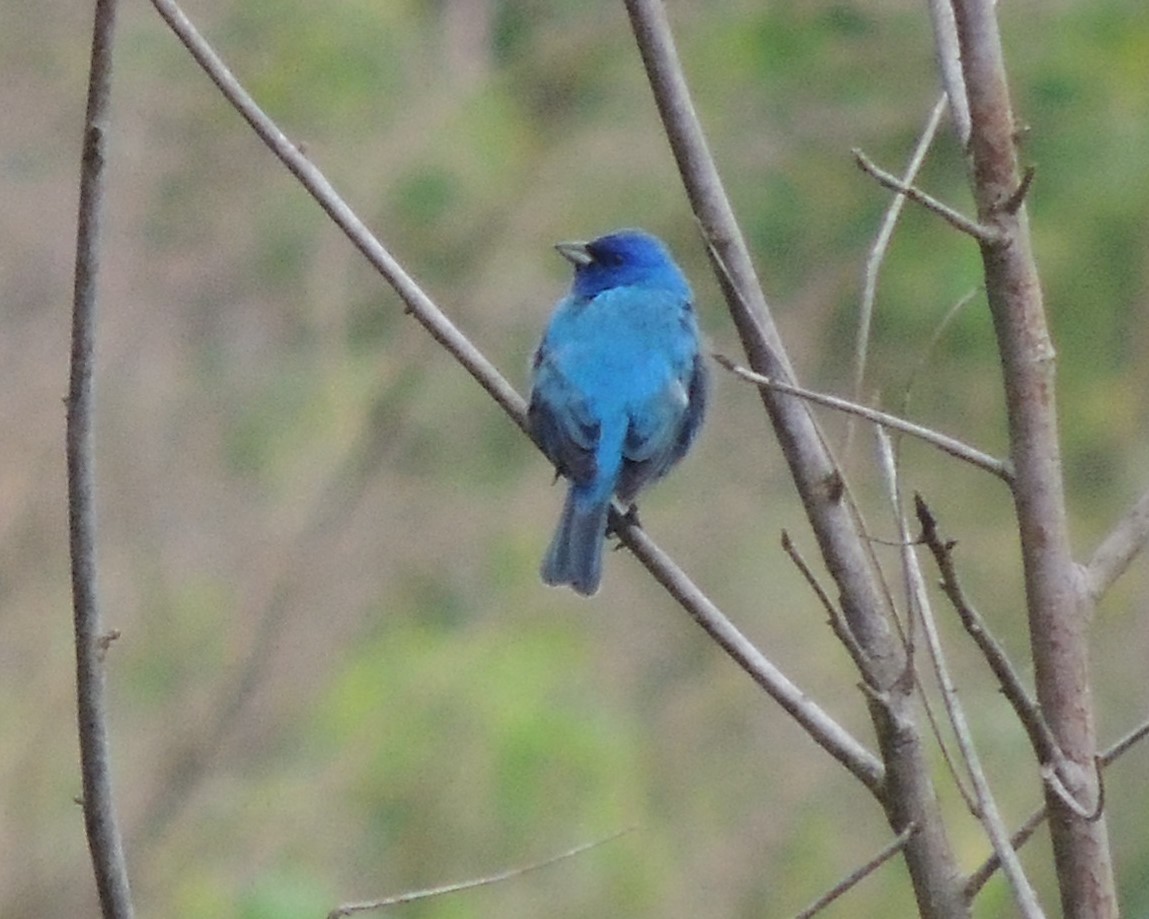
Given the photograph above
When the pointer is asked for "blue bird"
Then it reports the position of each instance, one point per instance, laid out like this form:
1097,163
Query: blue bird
618,389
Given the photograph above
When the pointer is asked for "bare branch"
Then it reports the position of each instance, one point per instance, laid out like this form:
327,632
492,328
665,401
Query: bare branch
348,909
923,362
878,250
949,63
1118,549
1040,737
837,621
1122,746
826,732
987,812
104,841
1021,836
943,442
859,874
948,214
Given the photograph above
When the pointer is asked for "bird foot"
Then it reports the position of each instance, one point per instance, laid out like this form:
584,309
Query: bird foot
630,518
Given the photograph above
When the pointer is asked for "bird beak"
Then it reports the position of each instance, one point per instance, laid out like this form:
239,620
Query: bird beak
575,253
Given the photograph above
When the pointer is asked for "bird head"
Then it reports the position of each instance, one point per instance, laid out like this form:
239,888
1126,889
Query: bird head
621,259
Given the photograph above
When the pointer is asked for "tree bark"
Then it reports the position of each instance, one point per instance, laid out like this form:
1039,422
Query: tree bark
1058,602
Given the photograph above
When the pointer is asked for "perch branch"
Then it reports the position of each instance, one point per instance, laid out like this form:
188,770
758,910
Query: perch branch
417,302
827,733
100,822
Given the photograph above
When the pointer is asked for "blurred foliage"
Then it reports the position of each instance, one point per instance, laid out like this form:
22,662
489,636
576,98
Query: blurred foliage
338,675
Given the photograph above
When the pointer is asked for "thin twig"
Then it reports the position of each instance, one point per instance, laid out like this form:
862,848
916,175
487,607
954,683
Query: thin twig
925,358
850,880
348,909
977,880
987,812
954,218
104,840
1028,712
1045,746
1119,548
1014,202
878,250
948,56
1126,743
943,442
948,757
837,621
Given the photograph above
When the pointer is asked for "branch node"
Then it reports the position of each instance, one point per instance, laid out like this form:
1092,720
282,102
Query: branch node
1014,202
105,641
983,234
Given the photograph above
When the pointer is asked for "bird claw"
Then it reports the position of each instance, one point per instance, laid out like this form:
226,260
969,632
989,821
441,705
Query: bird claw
629,517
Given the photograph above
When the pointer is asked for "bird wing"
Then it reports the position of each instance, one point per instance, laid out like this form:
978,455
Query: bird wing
660,433
562,423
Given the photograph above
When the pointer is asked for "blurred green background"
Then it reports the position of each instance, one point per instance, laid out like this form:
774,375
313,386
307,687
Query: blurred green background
339,676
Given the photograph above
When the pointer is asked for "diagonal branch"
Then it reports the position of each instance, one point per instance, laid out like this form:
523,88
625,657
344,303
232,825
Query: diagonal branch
859,874
100,822
954,218
1040,736
838,623
417,302
1118,549
369,906
943,442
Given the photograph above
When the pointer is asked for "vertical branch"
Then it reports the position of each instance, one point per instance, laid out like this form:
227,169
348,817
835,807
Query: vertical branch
986,809
104,840
880,247
1058,604
908,795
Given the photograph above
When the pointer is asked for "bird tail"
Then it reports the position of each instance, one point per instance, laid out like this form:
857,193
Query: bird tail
575,553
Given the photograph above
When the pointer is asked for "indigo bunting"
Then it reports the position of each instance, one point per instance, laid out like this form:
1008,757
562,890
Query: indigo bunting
618,389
